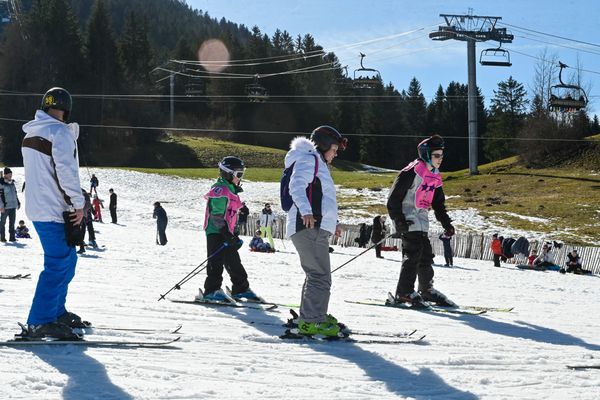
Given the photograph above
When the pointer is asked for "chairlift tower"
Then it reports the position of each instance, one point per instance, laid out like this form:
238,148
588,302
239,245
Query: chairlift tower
471,29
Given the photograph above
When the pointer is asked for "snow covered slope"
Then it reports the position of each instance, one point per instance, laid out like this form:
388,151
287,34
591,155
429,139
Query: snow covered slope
235,353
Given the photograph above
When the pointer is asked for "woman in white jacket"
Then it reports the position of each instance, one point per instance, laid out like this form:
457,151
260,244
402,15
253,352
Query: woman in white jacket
311,220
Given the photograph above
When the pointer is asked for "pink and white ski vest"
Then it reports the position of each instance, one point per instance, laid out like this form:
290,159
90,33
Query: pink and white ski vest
233,205
428,182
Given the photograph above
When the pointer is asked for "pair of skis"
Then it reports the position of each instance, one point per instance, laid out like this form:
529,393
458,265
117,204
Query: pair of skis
21,340
17,276
229,301
466,310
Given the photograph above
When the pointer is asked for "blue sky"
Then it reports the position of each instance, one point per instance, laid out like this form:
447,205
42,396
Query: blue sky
336,24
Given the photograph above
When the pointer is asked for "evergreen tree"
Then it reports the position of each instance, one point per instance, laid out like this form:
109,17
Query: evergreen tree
135,53
507,115
104,68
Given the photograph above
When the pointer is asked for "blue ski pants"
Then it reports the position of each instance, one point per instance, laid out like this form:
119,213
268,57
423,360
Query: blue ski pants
59,268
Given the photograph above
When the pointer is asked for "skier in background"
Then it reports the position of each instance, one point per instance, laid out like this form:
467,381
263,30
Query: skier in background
379,232
97,205
243,213
266,224
160,215
9,204
418,188
447,249
112,206
94,185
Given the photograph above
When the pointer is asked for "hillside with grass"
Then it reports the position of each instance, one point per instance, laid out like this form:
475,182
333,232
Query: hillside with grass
563,198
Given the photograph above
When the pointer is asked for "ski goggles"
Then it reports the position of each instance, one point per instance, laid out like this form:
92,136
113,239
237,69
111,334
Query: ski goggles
239,173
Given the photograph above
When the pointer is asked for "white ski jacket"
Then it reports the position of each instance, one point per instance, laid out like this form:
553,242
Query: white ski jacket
51,166
324,204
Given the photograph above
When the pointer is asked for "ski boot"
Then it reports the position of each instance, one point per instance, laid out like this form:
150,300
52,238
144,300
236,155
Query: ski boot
53,330
325,329
435,296
413,299
248,295
73,320
217,296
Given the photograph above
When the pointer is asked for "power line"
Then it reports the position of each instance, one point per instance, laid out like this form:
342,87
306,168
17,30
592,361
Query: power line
263,132
550,34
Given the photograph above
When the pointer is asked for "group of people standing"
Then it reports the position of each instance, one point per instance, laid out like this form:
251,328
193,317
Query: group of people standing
55,204
313,218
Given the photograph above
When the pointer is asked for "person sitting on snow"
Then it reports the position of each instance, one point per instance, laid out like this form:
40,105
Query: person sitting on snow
545,259
574,264
257,243
22,231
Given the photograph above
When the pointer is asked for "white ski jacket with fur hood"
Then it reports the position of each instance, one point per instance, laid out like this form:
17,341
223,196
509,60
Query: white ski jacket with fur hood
323,205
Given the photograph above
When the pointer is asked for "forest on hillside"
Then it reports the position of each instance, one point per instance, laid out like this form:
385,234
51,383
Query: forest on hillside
117,56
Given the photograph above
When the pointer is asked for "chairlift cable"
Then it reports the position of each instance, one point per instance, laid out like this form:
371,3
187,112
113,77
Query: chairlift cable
550,34
261,132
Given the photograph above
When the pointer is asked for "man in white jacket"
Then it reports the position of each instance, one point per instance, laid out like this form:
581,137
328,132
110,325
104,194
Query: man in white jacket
311,220
53,199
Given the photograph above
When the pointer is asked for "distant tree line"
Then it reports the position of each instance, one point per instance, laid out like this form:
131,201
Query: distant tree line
103,50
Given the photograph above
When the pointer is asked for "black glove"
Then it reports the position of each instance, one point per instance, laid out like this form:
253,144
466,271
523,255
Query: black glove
401,227
231,240
449,230
73,233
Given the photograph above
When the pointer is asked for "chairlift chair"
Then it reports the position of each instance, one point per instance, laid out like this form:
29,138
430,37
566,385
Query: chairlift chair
256,92
194,89
365,78
566,97
496,57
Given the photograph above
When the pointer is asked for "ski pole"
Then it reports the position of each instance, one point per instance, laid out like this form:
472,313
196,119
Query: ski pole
358,255
193,273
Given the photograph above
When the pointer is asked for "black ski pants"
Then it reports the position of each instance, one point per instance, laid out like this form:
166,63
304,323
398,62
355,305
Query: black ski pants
417,261
161,232
113,214
228,258
496,260
10,214
378,250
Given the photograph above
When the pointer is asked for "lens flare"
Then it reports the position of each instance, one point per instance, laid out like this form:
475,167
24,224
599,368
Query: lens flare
213,55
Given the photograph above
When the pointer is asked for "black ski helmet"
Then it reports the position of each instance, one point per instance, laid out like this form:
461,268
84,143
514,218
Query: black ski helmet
324,136
231,165
424,148
58,98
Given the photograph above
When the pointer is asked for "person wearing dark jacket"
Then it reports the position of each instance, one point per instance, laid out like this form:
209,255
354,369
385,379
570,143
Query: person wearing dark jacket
94,185
87,222
447,249
416,190
363,235
9,204
574,264
112,206
379,232
160,215
243,213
